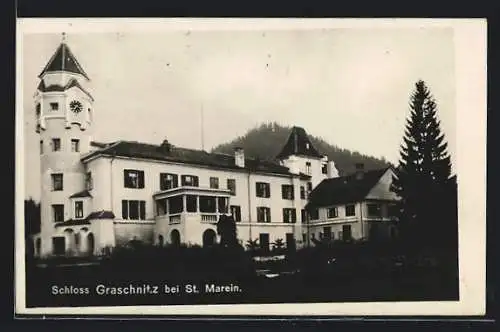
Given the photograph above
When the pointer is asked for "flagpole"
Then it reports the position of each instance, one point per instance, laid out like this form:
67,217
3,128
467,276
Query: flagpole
202,129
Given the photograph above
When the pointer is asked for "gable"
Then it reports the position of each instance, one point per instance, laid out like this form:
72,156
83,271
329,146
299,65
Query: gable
381,190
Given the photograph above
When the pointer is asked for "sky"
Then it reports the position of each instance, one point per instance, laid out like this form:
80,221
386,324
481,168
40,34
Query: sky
349,86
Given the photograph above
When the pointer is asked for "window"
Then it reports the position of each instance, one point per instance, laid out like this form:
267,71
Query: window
41,147
222,205
88,181
332,212
263,214
350,210
191,203
302,192
214,183
236,212
75,145
287,191
133,178
56,144
78,209
374,210
314,214
303,215
207,204
327,232
38,109
189,180
392,210
134,210
309,187
289,216
324,169
308,168
231,185
346,232
57,182
58,212
168,181
264,241
54,106
263,189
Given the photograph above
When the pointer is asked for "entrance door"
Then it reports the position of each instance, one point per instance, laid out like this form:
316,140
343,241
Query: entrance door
290,241
209,238
59,245
346,232
264,242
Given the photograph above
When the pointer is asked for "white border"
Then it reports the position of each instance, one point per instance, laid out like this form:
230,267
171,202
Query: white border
470,61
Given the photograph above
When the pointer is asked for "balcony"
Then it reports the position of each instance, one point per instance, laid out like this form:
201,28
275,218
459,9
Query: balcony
187,203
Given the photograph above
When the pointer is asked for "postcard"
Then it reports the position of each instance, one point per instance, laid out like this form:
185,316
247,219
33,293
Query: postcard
251,167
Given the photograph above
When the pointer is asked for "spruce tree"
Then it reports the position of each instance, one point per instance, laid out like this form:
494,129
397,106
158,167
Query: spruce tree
422,178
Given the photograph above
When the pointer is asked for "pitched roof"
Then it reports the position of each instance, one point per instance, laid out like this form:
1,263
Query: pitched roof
345,189
59,88
86,221
84,193
63,60
298,143
187,156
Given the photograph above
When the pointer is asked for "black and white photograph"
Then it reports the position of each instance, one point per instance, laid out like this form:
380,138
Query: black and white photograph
271,166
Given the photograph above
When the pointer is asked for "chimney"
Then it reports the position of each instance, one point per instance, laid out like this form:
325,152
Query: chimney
239,157
360,170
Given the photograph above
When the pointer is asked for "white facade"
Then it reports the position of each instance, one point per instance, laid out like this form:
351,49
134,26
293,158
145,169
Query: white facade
83,199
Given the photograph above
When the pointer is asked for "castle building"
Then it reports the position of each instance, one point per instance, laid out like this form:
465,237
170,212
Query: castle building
96,196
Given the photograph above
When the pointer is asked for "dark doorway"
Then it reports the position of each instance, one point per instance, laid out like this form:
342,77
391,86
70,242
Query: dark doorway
160,240
175,238
209,238
264,242
290,242
59,245
90,244
346,232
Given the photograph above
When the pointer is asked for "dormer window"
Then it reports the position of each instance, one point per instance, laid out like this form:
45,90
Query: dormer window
54,106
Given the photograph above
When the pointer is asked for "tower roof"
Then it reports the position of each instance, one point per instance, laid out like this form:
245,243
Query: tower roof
63,60
298,143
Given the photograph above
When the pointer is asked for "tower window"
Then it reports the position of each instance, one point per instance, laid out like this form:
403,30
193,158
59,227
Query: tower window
308,168
58,212
57,182
88,181
56,144
78,209
38,109
54,106
75,145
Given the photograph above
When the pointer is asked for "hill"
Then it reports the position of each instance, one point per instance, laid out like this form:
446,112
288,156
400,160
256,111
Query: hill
266,141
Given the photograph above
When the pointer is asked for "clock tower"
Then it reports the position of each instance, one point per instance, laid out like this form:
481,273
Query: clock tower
63,109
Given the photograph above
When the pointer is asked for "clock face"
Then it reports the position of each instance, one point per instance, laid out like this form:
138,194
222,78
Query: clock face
76,106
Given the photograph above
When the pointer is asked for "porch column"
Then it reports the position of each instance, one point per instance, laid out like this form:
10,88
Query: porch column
217,206
167,207
184,203
198,203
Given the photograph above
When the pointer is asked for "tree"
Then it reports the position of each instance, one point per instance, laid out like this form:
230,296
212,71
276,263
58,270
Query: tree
252,245
32,217
226,228
423,177
278,245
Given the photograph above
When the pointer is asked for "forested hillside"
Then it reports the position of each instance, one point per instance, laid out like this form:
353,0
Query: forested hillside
266,141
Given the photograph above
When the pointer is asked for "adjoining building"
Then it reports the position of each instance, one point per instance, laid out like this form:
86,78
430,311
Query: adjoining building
357,206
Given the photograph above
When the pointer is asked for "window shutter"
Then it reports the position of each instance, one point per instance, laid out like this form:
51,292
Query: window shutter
142,210
294,215
195,181
124,209
268,189
175,180
125,178
141,179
